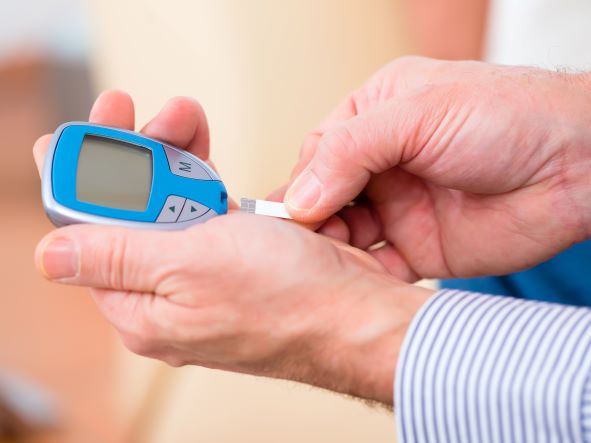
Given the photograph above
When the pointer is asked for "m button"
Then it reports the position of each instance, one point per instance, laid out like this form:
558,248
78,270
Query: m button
171,209
181,164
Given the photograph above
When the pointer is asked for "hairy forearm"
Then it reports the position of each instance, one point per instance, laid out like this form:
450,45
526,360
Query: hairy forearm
359,353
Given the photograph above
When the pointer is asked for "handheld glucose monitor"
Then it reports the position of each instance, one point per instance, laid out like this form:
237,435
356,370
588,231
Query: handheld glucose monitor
98,174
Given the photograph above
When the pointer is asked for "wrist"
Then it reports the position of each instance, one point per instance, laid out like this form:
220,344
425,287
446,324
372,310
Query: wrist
362,345
587,137
577,158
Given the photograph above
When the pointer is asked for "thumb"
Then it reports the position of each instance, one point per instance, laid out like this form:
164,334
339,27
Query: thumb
107,257
346,157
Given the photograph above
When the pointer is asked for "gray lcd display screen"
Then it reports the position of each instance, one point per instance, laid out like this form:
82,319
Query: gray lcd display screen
114,174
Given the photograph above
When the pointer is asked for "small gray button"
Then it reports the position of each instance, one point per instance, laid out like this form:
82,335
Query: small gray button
171,209
192,210
183,165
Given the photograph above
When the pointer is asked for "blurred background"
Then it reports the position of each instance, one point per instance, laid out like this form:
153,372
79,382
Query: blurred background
266,72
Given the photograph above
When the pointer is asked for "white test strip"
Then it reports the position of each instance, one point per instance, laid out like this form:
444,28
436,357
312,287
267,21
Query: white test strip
264,207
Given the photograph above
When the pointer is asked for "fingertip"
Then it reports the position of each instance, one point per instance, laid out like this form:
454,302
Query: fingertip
185,105
176,122
39,151
182,122
364,223
394,262
56,257
103,256
180,107
114,108
306,216
232,204
336,228
38,255
277,195
303,196
113,95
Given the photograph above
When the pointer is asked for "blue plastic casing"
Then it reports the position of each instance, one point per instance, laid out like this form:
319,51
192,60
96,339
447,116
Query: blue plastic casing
60,170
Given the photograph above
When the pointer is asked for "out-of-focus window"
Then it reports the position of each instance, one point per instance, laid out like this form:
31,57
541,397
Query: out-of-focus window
54,28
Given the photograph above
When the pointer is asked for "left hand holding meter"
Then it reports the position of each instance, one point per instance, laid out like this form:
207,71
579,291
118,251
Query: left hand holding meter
241,293
100,174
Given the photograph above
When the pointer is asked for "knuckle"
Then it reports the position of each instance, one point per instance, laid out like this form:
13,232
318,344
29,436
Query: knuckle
310,144
339,147
115,260
367,97
338,142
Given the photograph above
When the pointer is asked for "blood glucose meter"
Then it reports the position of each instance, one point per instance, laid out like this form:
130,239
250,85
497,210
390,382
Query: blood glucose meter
98,174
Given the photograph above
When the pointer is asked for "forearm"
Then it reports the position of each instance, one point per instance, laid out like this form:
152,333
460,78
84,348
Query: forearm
357,350
513,370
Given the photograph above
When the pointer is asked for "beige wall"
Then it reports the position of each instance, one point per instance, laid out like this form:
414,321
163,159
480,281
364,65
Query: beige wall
266,72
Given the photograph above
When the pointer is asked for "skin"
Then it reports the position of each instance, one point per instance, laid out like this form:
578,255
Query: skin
336,322
457,168
461,168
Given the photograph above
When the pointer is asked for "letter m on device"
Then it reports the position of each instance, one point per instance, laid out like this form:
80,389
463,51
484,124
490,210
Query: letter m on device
184,166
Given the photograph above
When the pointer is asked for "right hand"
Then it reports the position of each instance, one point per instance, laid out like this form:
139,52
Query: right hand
461,168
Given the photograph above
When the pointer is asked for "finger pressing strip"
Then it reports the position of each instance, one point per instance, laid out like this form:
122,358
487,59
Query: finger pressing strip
263,207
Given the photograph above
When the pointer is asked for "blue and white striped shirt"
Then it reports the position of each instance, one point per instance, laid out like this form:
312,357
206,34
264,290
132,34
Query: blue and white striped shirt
480,368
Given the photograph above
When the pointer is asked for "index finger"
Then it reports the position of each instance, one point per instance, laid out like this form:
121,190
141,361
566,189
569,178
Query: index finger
39,151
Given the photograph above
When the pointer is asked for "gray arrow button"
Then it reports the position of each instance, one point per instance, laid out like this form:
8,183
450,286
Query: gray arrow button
192,210
169,213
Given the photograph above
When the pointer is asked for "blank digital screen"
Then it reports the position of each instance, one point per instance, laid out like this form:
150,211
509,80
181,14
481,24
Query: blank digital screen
114,174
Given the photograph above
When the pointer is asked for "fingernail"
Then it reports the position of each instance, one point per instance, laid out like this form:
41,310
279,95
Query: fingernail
305,191
59,259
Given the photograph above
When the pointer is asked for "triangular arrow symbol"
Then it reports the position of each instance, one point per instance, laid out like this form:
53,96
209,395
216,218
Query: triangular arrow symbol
172,208
193,209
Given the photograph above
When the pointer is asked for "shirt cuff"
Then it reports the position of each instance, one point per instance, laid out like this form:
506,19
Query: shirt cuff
476,367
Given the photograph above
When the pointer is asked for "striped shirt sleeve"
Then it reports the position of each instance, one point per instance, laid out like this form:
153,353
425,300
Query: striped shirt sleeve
481,368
